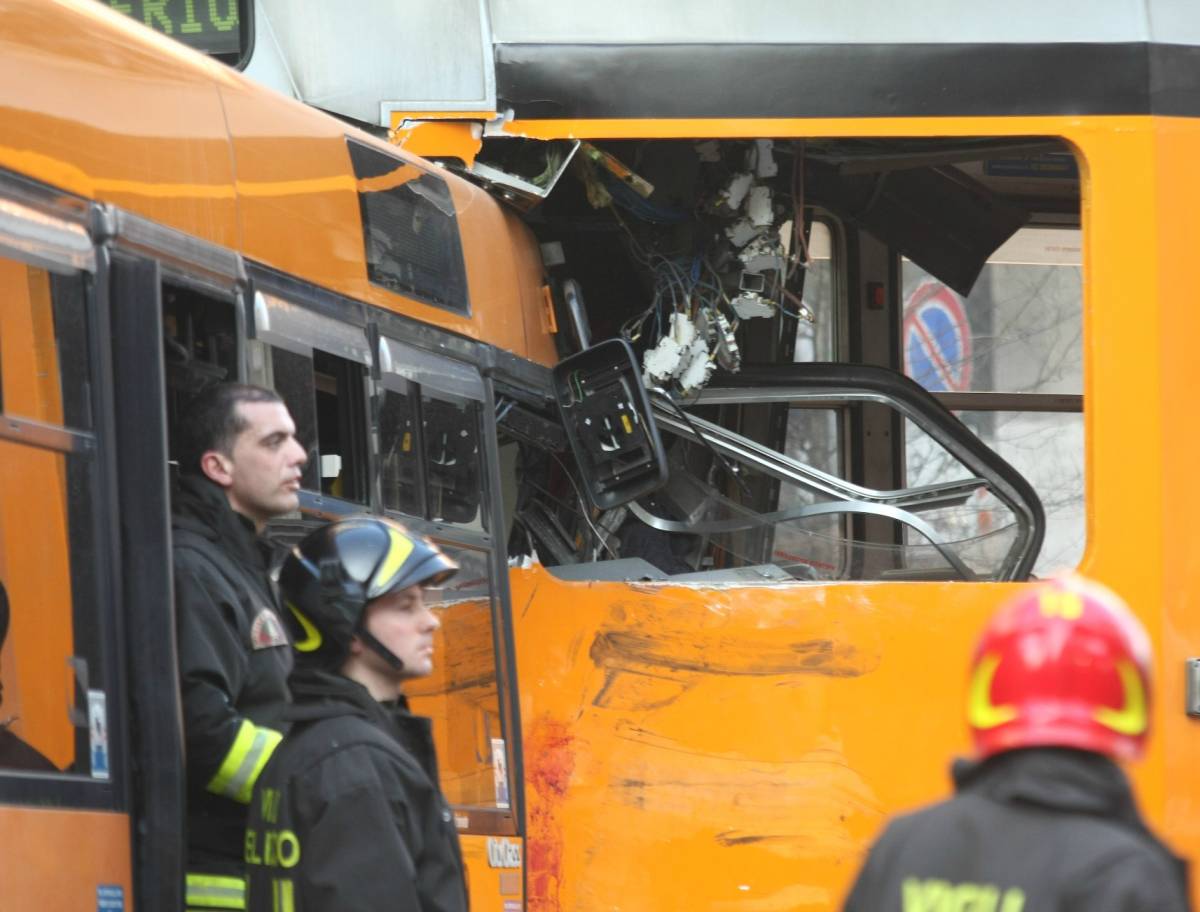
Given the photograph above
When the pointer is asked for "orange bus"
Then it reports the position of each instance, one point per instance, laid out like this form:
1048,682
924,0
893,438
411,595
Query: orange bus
908,347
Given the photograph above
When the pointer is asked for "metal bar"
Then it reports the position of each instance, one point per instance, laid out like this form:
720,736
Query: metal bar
45,436
865,383
43,239
784,468
1010,402
966,402
179,253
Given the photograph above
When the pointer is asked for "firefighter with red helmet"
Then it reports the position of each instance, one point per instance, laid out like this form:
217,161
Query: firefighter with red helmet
348,813
1043,819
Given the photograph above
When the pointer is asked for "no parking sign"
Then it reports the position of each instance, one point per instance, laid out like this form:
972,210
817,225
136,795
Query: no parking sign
937,338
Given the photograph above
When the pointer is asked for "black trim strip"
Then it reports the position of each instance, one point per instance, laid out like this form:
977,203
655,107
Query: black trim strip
553,81
140,445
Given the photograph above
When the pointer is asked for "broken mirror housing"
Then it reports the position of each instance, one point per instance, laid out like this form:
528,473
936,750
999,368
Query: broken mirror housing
607,418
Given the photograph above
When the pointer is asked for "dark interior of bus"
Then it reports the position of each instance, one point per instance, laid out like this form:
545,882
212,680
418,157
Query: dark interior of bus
738,268
718,241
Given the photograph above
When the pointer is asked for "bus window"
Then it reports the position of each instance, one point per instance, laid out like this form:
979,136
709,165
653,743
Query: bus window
53,669
813,438
1007,358
430,405
291,375
450,428
199,345
318,365
462,695
399,446
410,229
341,438
816,337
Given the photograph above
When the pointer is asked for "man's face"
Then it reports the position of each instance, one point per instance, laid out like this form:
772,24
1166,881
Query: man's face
261,472
403,623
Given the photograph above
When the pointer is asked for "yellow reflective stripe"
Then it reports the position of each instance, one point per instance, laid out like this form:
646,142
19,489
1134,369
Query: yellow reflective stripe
398,553
282,895
1131,719
251,750
1066,605
212,892
312,636
982,713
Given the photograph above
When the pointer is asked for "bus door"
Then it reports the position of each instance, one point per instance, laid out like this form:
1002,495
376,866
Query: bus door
394,428
174,330
64,764
438,459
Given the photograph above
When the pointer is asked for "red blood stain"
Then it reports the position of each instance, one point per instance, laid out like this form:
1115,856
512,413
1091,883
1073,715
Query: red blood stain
549,762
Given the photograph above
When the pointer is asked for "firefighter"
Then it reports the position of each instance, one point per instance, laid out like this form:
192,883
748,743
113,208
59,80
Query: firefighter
349,814
1044,819
240,465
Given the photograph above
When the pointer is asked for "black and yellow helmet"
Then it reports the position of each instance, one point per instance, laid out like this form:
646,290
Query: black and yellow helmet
328,579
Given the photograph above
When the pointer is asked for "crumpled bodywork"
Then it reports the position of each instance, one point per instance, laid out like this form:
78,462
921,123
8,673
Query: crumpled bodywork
729,748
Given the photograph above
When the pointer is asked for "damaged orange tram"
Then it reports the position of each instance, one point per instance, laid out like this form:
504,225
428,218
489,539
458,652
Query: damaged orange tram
953,255
905,349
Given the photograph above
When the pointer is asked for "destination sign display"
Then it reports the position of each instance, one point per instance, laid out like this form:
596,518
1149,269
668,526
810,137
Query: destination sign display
216,27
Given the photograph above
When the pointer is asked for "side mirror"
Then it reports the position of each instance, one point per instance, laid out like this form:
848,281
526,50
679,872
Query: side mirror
607,418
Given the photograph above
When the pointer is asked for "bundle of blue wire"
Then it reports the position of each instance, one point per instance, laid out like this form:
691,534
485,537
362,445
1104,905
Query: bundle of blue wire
637,205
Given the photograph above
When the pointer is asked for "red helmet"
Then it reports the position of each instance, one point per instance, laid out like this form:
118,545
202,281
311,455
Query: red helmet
1064,664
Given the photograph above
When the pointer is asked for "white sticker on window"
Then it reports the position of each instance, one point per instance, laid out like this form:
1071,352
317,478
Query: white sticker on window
98,733
500,772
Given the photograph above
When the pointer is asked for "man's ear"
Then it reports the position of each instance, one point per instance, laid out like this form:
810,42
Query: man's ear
217,467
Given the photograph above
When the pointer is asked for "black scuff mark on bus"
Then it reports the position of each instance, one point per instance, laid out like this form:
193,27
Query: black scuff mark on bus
632,651
529,602
733,838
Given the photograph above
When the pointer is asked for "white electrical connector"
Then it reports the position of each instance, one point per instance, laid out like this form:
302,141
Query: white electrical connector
735,192
764,158
750,304
741,232
758,207
698,368
669,358
660,362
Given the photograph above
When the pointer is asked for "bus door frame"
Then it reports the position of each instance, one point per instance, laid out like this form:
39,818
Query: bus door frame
139,256
484,359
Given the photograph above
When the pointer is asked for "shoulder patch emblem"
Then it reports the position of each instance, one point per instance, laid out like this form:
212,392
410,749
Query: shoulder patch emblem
267,630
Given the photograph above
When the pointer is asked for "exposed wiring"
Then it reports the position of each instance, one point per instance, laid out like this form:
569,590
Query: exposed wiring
583,508
706,443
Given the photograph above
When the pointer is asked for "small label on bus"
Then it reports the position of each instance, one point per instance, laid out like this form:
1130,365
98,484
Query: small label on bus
98,733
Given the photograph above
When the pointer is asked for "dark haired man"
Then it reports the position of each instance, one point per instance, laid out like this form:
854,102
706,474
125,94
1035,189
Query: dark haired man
14,752
349,814
239,465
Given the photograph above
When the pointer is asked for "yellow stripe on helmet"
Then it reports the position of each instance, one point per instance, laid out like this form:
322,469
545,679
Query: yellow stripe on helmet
982,713
399,548
312,636
1131,719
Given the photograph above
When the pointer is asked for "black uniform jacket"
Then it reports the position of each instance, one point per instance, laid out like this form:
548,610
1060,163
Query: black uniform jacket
1036,830
348,814
234,661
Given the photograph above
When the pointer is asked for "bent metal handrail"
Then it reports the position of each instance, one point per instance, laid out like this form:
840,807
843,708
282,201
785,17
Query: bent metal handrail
839,384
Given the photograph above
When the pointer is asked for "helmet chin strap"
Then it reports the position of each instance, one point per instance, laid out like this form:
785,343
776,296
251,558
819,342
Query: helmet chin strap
379,649
334,588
